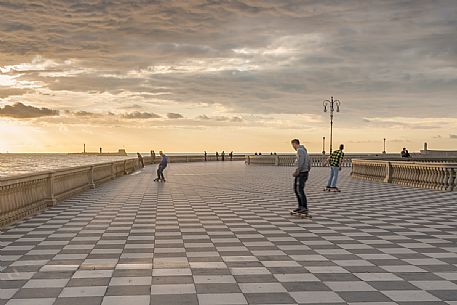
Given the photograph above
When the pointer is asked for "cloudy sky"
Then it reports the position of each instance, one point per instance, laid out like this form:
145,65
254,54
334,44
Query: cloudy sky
243,75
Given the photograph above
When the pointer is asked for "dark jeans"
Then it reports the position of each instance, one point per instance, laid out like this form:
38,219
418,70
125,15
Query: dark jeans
160,170
299,188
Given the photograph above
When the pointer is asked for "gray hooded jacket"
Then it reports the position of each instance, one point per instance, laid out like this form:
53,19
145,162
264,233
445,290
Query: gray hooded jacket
303,161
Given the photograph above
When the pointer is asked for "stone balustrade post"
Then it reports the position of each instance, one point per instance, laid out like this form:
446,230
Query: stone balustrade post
91,178
445,179
51,200
388,177
452,179
277,163
125,167
113,170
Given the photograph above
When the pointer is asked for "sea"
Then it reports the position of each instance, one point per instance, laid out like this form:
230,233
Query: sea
18,164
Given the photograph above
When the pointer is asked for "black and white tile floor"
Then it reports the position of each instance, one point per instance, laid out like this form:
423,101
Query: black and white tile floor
221,233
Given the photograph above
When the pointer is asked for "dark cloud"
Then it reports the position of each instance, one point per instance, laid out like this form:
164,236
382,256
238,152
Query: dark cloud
174,115
204,117
22,111
7,91
80,113
140,115
453,136
83,113
134,106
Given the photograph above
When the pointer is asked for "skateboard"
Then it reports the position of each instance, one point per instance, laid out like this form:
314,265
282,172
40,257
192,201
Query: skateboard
159,180
301,215
331,189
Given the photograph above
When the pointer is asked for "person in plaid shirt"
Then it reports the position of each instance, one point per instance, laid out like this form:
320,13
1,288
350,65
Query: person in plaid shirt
335,160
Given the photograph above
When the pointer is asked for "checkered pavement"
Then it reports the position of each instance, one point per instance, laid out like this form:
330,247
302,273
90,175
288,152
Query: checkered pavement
220,233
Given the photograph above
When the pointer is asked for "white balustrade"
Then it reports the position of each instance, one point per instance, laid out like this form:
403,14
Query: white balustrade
430,175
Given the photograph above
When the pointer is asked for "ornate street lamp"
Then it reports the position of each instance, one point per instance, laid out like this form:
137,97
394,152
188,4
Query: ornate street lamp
333,105
384,151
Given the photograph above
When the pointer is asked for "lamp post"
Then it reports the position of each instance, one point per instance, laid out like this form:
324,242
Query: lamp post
384,151
333,105
323,145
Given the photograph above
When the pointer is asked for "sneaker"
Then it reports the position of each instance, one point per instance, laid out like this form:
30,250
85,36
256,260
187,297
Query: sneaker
303,211
296,210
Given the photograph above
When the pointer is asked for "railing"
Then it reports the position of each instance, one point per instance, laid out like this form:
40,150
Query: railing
318,160
414,158
194,158
429,175
24,195
289,160
373,170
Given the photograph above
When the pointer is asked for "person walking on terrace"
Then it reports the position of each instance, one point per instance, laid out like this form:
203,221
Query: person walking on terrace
335,161
162,165
301,174
153,156
140,159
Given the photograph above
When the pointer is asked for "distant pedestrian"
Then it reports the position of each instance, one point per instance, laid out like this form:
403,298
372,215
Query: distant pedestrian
260,153
301,174
162,165
153,156
231,156
223,155
335,162
217,156
256,154
140,159
405,153
206,156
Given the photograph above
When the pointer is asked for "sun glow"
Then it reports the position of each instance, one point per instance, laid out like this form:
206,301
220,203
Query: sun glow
16,136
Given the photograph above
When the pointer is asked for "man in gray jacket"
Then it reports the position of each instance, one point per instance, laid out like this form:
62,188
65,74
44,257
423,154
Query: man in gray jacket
301,173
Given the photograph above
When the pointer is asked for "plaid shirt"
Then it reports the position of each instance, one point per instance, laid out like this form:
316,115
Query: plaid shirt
336,158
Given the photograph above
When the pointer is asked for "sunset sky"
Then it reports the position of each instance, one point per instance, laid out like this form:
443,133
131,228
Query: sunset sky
241,75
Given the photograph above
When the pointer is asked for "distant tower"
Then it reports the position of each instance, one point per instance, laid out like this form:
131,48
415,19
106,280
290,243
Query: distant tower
425,146
84,148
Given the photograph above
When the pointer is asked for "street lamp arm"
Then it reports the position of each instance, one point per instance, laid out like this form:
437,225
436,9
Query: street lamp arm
337,103
325,104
